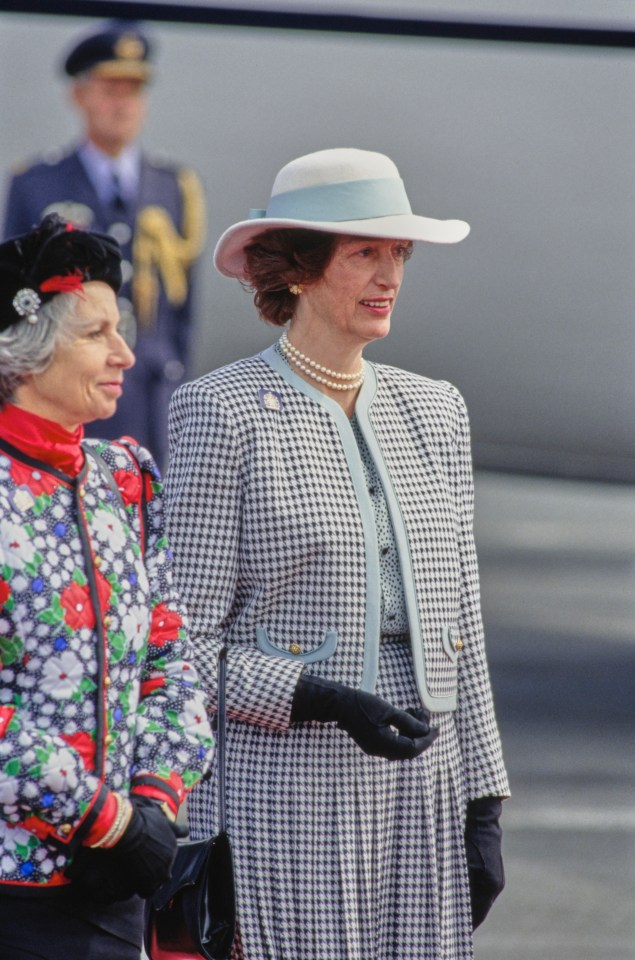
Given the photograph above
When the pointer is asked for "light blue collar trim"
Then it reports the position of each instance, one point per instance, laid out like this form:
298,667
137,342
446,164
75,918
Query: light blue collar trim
272,357
432,702
349,200
351,451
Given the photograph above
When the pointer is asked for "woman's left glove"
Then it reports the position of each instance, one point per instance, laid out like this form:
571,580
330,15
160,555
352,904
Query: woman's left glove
138,863
483,837
379,728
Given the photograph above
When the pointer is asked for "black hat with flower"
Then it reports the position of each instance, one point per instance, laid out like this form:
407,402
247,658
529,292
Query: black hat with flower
53,258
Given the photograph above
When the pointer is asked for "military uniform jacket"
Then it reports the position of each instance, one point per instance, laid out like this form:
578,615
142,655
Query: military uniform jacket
96,688
161,234
277,547
64,187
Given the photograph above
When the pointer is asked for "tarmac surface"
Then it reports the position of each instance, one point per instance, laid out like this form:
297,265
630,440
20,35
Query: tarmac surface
558,578
558,585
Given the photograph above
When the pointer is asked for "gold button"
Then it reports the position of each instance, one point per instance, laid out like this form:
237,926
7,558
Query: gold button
65,829
107,681
107,621
295,648
108,739
98,562
459,644
82,492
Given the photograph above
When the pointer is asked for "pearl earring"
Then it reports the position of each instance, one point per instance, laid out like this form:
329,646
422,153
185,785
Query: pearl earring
295,289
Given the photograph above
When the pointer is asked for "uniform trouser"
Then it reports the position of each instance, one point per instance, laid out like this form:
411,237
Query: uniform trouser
48,928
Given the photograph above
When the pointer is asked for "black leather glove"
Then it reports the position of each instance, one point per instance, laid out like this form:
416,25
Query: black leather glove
138,864
483,837
380,729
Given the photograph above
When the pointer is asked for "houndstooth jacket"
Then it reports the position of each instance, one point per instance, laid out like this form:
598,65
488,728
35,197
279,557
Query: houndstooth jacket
276,547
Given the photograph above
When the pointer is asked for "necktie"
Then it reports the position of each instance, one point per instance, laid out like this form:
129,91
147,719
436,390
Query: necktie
118,201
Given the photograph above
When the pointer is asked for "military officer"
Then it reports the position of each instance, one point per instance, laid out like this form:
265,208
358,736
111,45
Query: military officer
154,209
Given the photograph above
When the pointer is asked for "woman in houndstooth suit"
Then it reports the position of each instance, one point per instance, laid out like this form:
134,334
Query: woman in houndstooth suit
321,512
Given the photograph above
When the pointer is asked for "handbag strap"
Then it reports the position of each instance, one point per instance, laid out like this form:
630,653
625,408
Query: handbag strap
221,724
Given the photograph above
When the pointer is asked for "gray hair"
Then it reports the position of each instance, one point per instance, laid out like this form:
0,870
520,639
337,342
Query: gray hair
27,348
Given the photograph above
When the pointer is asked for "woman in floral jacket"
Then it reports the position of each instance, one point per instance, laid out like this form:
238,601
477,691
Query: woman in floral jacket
102,725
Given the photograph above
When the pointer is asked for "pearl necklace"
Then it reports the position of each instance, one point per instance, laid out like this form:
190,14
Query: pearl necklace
351,381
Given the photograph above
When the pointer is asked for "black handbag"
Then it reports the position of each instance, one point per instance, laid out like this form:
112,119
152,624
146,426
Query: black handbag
193,915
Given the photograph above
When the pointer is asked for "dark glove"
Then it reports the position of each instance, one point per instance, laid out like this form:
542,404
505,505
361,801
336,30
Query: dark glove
483,837
138,864
375,725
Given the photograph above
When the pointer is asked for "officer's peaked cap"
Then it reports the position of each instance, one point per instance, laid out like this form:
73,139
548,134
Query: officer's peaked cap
118,49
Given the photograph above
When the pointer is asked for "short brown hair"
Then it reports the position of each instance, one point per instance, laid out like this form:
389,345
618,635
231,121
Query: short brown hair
277,258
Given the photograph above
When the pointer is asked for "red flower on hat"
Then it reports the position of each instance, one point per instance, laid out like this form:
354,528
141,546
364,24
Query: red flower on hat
70,283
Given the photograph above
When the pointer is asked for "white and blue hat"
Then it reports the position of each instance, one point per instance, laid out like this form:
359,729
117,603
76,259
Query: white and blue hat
344,190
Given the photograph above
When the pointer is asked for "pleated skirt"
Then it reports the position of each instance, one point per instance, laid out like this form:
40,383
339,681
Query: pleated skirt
342,856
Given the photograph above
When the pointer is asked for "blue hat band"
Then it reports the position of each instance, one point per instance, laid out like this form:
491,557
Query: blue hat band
334,202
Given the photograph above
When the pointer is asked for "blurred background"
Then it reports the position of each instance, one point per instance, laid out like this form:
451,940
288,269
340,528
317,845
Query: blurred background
531,317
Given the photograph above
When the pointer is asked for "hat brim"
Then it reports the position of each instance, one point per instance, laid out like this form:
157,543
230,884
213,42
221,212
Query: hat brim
229,255
121,69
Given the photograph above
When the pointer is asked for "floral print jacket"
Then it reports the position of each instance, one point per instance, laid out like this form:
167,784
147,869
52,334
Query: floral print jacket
97,692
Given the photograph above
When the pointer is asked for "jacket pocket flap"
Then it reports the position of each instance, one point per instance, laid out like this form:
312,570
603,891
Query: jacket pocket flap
294,651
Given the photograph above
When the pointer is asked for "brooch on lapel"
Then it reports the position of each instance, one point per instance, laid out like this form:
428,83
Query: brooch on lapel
270,399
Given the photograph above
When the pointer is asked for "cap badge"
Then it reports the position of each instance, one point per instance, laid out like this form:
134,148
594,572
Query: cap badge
26,303
270,399
129,47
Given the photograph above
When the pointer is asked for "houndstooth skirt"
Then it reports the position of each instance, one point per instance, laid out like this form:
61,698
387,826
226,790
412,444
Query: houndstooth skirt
342,856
